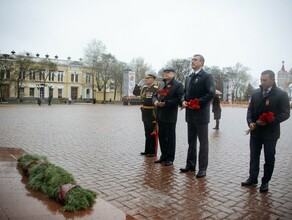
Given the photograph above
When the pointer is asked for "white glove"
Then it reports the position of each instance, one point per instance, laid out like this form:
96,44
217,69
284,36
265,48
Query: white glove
142,82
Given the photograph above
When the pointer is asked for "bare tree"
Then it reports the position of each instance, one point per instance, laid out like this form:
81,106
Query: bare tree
117,76
92,59
107,64
23,62
139,66
183,68
218,74
6,65
248,92
238,79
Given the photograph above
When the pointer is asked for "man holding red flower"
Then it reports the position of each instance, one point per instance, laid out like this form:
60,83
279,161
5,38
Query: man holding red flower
199,91
269,106
166,99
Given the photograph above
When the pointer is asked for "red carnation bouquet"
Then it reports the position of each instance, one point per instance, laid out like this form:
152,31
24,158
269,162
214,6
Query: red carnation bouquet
163,93
266,117
194,104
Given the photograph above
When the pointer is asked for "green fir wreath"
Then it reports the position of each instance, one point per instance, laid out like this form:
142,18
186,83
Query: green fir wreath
56,183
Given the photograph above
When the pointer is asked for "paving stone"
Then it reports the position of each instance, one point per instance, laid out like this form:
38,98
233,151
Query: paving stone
101,144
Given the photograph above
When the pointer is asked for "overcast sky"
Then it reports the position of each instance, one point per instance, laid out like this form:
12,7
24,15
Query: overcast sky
256,33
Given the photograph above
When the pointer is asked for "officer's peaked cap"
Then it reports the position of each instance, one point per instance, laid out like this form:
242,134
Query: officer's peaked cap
150,73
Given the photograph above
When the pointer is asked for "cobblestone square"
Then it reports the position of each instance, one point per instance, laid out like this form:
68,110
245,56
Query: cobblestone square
101,144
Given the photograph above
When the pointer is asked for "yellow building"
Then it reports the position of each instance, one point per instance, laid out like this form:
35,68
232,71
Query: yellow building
70,80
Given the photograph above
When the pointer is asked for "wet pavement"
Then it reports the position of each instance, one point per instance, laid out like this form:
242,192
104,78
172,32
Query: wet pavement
20,203
100,146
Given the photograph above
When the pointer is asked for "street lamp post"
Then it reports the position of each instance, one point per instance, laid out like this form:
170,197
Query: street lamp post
45,76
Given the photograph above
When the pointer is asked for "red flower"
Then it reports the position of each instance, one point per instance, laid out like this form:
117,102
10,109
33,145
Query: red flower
194,104
267,117
160,91
163,93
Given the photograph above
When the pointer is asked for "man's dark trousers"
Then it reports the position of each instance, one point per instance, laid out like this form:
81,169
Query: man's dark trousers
196,130
149,139
167,140
255,152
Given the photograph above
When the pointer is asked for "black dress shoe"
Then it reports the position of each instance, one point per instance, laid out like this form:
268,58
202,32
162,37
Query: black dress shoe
168,163
185,170
249,182
201,174
158,161
264,187
143,153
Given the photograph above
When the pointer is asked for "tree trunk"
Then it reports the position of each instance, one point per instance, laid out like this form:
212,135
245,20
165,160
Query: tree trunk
115,93
104,94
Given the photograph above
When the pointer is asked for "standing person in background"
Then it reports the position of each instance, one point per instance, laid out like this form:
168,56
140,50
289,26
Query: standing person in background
49,100
216,109
146,89
198,86
267,99
167,99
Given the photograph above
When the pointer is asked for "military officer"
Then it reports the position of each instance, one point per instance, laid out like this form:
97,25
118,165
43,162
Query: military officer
146,89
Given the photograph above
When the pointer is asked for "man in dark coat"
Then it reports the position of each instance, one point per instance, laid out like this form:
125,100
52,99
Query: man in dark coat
216,109
199,85
167,99
146,89
268,98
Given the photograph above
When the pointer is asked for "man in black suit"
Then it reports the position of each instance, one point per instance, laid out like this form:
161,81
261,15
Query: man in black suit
268,98
200,85
167,99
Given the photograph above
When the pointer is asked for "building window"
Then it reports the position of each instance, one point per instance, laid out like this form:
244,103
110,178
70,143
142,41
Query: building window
21,91
74,77
60,93
2,75
5,73
88,78
60,76
22,74
51,75
31,92
42,75
31,75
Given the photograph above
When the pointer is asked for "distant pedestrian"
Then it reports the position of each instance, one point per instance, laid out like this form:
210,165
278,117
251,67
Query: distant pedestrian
216,109
49,100
269,106
167,99
39,101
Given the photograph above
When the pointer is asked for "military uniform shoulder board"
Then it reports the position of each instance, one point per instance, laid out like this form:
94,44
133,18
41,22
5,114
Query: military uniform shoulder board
156,87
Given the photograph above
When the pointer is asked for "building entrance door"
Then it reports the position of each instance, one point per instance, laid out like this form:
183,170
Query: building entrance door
74,93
